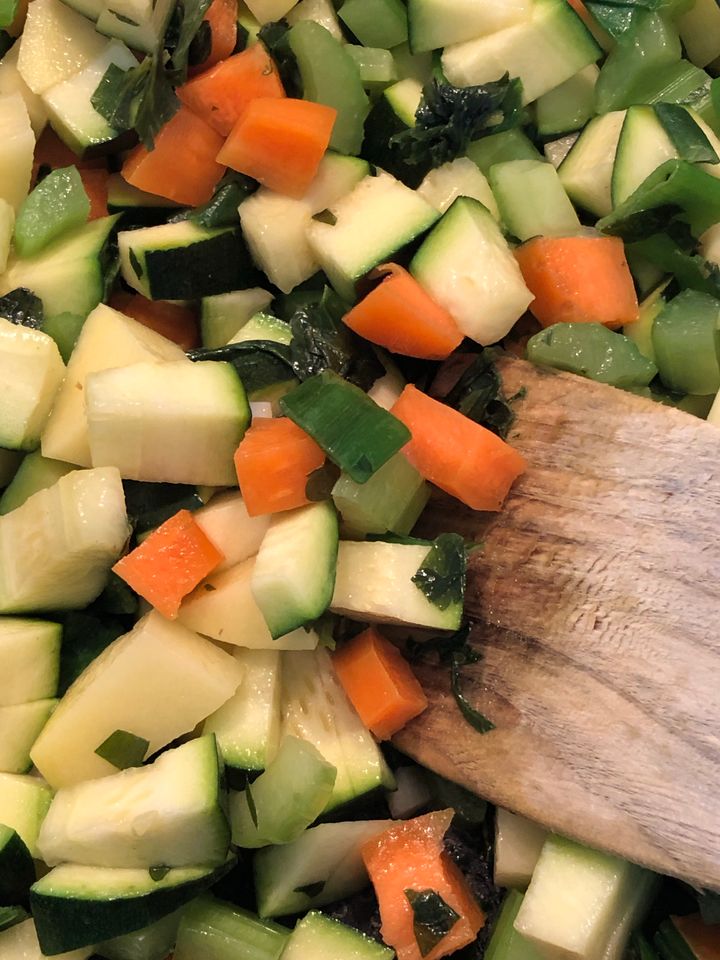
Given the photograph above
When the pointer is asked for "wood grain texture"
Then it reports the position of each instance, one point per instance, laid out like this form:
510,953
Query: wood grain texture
596,603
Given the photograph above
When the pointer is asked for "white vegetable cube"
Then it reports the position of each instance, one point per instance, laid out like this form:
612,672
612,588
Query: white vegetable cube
223,607
157,682
226,522
29,660
437,23
466,265
176,422
108,339
518,843
276,227
24,802
20,726
69,105
576,899
374,221
56,549
459,178
31,371
266,10
12,82
56,43
17,144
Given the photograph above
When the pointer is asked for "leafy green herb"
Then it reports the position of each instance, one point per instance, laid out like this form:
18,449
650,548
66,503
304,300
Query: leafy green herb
456,652
140,99
274,36
9,916
478,393
325,216
450,118
433,918
311,889
689,140
158,872
709,904
441,576
321,341
251,805
259,363
123,749
186,21
21,306
222,208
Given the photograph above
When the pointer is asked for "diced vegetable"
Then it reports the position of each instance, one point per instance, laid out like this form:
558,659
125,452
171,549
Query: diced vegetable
379,683
684,340
280,142
170,563
578,280
57,204
219,931
455,453
409,859
273,463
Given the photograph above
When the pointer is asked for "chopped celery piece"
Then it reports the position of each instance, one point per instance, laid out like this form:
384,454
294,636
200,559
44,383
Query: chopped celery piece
649,45
376,23
391,500
592,351
676,189
500,147
506,943
330,76
684,338
640,332
285,799
151,943
57,204
376,66
213,930
64,328
357,434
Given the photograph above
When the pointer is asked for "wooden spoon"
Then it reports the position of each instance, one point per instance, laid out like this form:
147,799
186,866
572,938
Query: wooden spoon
596,605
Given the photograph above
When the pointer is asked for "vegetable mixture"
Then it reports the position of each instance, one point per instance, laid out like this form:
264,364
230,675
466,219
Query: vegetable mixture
256,263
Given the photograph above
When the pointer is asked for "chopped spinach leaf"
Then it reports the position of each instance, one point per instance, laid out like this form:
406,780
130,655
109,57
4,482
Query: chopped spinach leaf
433,918
251,805
9,916
474,717
186,21
222,208
123,749
450,118
259,363
709,904
311,889
140,99
441,576
321,341
478,393
274,36
21,306
158,872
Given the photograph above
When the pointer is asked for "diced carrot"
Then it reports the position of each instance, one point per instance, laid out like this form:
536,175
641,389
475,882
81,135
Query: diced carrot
578,280
379,683
170,563
273,462
280,142
173,321
96,187
221,94
183,165
455,453
400,315
221,15
410,856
